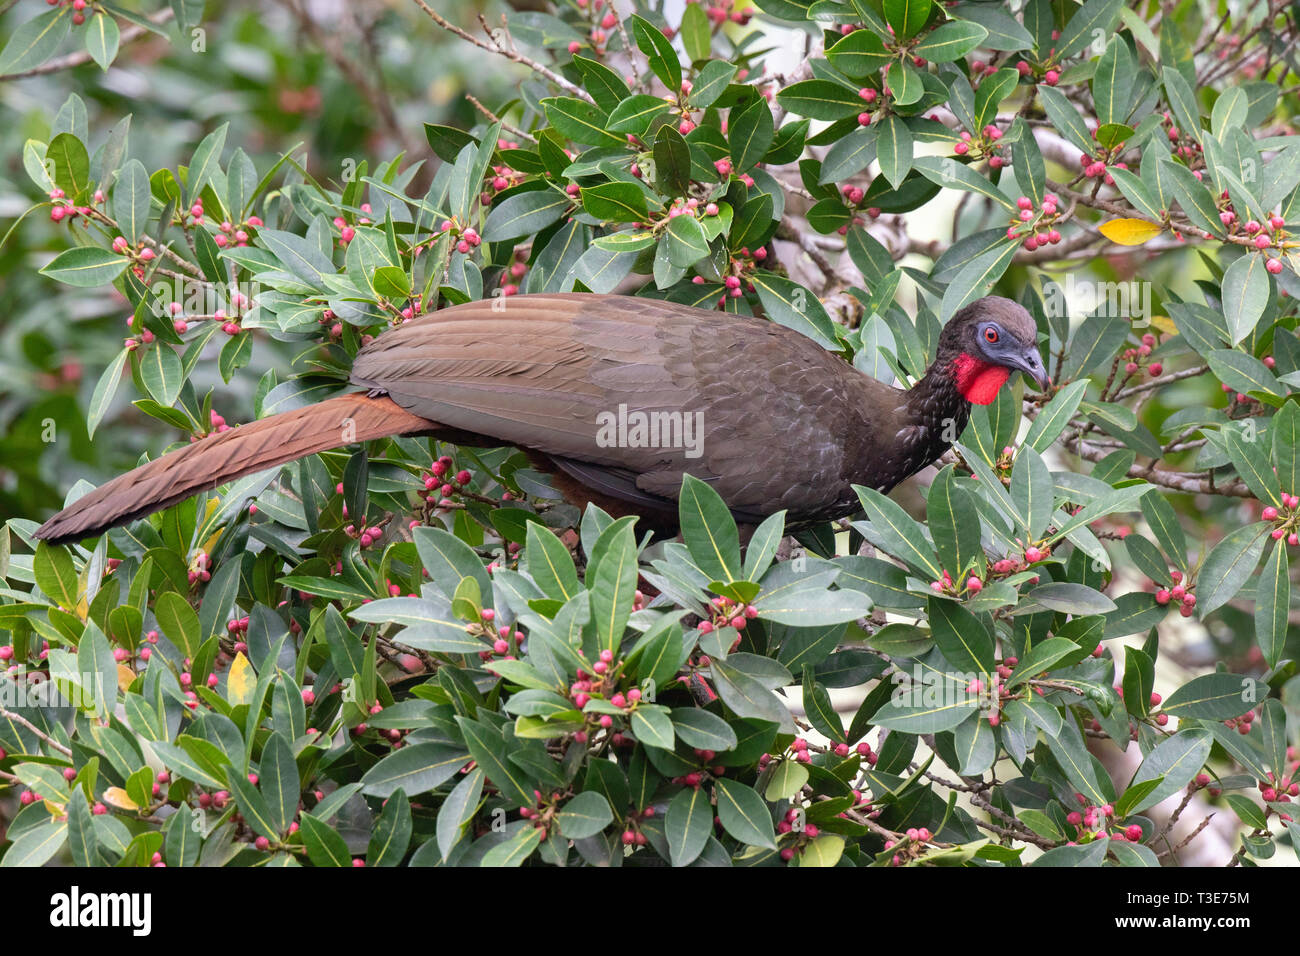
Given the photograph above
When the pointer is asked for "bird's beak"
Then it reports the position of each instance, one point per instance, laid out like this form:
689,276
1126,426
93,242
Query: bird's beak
1031,363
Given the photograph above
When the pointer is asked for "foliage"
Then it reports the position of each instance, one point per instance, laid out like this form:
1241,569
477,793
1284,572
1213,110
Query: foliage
414,653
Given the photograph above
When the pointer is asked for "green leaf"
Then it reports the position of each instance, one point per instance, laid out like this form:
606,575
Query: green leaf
1066,119
102,37
525,214
659,52
458,809
611,582
205,161
954,522
161,372
85,267
71,164
820,99
950,41
34,42
634,114
614,201
392,833
688,825
709,530
790,304
487,746
977,277
894,149
1215,697
1095,341
743,813
324,845
1285,426
1070,598
585,815
821,714
1273,605
946,171
178,621
1054,416
907,17
961,636
749,134
859,55
1245,294
1228,566
55,574
1252,463
695,32
516,849
703,730
652,726
1089,854
1032,492
549,563
580,121
606,87
1094,18
1176,761
279,781
711,83
900,535
686,241
131,197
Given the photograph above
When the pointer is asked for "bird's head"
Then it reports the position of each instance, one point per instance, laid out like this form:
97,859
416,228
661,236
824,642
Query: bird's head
985,342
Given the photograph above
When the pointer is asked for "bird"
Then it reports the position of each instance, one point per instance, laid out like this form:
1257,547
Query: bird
617,397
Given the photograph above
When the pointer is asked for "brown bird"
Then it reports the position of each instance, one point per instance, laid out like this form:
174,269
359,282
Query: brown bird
617,397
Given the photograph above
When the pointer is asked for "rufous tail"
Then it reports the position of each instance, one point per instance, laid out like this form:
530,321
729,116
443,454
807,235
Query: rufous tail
228,455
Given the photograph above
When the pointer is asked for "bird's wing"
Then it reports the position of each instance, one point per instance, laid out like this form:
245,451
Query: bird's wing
558,373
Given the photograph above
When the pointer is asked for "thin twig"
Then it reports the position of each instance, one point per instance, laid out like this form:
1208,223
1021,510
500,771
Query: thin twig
513,55
46,738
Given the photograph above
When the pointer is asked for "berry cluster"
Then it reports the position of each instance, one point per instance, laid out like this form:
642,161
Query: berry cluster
1288,519
229,232
442,489
1178,592
863,750
501,178
466,237
1092,823
911,847
945,585
78,8
62,207
1134,357
1260,235
804,834
728,613
985,145
1038,225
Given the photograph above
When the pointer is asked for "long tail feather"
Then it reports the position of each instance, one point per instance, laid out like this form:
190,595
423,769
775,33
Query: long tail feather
232,454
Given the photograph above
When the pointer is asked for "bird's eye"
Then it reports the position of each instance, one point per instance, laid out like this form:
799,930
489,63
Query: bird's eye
990,334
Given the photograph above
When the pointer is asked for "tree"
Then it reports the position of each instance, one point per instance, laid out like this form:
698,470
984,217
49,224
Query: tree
424,638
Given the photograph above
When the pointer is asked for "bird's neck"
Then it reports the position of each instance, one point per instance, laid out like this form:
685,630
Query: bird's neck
941,400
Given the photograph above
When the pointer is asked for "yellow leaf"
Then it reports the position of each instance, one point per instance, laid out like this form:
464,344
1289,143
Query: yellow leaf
1130,232
240,683
125,678
119,798
211,543
1163,323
